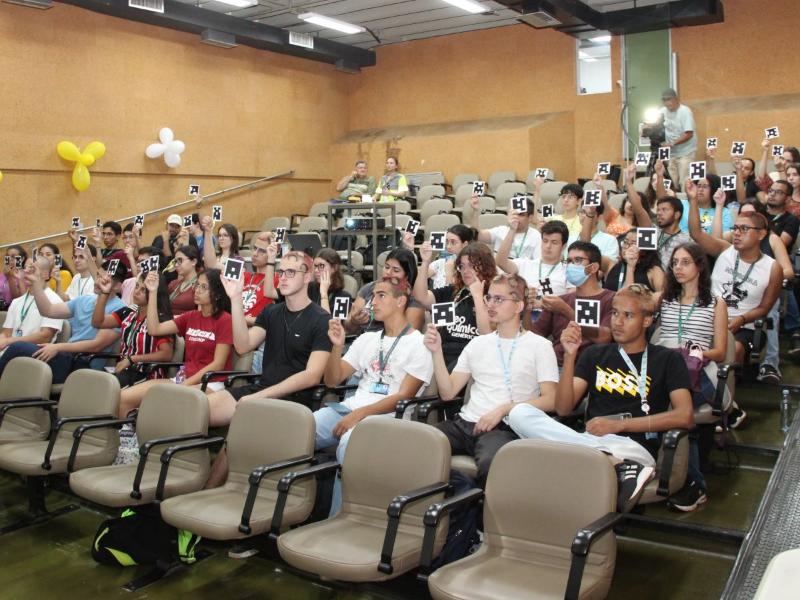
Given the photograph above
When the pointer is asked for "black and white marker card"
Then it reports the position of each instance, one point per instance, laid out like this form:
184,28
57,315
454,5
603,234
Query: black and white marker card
604,168
216,213
737,148
587,312
664,153
646,238
642,159
58,261
6,260
341,307
138,220
728,182
519,204
412,226
35,253
19,261
772,132
76,223
234,268
697,170
97,223
194,189
592,197
153,263
777,150
711,143
478,188
438,240
547,211
280,235
443,314
187,220
81,243
542,173
667,184
545,287
111,269
144,266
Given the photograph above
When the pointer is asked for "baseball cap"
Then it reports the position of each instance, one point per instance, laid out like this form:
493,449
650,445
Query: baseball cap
668,94
174,219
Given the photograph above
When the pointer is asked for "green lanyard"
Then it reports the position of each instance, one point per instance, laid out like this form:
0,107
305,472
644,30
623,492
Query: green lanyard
25,309
746,275
665,239
552,268
680,318
518,249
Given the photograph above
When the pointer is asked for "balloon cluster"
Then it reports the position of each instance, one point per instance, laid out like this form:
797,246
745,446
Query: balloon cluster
83,160
169,148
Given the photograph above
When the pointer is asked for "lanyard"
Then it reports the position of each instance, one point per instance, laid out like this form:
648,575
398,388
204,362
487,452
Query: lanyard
641,377
665,239
736,271
25,308
383,361
550,272
82,285
680,318
507,365
518,250
622,271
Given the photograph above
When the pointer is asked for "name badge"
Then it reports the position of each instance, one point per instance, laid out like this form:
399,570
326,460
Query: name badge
379,388
651,435
18,333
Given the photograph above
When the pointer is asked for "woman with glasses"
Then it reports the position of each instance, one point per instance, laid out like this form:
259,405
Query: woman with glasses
207,333
393,184
181,290
475,269
442,270
227,240
328,280
704,190
636,266
401,264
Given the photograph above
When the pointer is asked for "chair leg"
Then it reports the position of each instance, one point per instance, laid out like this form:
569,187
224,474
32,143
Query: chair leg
37,509
159,571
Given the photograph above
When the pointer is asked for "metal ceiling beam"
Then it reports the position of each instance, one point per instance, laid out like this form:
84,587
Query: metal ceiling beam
191,19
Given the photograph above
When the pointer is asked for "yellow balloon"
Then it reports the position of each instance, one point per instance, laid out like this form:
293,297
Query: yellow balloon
1,176
86,159
68,151
96,149
80,177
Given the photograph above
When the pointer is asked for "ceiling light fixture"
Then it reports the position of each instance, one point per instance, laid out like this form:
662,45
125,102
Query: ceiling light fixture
331,23
468,5
239,3
601,39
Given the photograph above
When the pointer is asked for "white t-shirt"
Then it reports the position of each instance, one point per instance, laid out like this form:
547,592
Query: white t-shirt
439,273
33,320
607,243
80,286
537,275
534,360
409,357
527,244
675,125
744,294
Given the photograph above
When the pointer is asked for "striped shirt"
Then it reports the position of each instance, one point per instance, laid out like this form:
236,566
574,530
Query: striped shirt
698,327
135,339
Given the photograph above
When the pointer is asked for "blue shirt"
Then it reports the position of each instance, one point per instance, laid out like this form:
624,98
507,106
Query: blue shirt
82,308
706,218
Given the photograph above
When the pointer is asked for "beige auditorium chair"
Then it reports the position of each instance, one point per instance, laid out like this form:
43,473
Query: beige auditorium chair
550,191
542,500
169,415
88,396
505,191
266,439
498,178
25,381
464,178
392,467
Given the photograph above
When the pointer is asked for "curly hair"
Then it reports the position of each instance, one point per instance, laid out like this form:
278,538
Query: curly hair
481,259
673,289
517,285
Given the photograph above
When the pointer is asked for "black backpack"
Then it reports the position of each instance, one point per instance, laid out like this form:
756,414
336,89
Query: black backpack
462,533
140,537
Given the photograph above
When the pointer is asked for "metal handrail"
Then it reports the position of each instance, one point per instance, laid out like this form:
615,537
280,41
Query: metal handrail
163,208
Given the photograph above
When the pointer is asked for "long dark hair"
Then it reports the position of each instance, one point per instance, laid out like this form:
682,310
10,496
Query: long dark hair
332,257
55,249
231,230
647,258
481,259
192,253
163,303
464,233
407,260
673,289
219,298
22,252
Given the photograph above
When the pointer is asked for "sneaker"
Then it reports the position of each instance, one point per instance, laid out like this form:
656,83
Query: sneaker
794,344
688,499
768,374
631,477
734,419
242,551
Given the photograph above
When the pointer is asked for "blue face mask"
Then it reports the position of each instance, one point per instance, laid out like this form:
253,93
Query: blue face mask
576,275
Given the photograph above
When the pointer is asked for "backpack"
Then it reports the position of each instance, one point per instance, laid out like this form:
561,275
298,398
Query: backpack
140,537
462,532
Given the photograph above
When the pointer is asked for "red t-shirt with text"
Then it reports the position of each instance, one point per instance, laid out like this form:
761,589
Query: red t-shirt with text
202,334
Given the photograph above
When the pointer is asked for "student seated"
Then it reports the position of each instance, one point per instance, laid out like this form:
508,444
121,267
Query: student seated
631,386
392,364
636,266
507,367
527,239
84,339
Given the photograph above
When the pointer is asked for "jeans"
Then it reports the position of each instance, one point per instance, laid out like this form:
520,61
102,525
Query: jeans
693,472
62,364
791,320
771,356
529,422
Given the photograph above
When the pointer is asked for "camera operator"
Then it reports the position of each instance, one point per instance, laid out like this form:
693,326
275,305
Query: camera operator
679,130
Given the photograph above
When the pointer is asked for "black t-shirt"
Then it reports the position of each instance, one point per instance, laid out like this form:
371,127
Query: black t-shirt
316,298
786,222
613,389
291,338
456,336
616,276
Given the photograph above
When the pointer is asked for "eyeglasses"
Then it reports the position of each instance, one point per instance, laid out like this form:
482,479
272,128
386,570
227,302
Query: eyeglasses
319,266
496,299
202,287
683,262
577,260
772,191
289,273
744,228
702,186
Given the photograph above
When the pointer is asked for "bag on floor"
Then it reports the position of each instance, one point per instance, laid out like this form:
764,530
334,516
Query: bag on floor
140,537
462,533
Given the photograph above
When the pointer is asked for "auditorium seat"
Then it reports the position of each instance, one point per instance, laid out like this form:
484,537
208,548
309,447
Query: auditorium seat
489,220
169,414
465,178
440,223
425,193
608,185
551,190
266,438
435,207
486,203
530,180
538,496
24,379
504,192
392,467
498,178
640,184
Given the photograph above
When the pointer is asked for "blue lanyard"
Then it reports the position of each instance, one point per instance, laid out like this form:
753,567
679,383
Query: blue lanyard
507,366
641,377
384,361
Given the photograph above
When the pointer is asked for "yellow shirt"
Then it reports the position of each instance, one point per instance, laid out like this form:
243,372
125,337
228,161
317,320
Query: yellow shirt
66,279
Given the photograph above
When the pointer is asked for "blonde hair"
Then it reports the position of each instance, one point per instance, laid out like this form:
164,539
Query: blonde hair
642,294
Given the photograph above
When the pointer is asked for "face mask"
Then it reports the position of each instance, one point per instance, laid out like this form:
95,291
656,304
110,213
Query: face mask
576,275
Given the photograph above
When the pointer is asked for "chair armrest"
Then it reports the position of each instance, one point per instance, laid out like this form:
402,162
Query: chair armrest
57,427
149,367
81,429
426,407
49,405
90,356
144,450
285,483
255,481
723,371
761,326
404,403
669,445
166,458
431,520
234,378
395,511
580,550
209,374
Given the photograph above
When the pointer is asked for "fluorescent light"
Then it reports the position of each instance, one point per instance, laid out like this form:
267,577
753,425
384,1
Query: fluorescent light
601,38
469,6
239,3
586,57
330,23
652,115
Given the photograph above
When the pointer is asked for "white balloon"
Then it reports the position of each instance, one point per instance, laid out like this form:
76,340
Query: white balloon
177,147
166,135
155,150
169,148
172,160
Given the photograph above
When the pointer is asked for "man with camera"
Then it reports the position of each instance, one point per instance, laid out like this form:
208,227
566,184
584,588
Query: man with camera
679,133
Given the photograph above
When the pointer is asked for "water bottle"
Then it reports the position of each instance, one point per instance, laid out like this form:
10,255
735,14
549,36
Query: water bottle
180,376
785,411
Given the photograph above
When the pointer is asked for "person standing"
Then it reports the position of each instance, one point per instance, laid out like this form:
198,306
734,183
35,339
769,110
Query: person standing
679,129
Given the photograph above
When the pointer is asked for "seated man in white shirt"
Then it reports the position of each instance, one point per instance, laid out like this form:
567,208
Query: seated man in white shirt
24,323
392,365
527,239
507,367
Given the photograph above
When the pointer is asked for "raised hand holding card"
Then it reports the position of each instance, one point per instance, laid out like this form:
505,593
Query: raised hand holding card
438,240
547,211
216,213
280,235
234,268
777,150
542,173
711,143
646,238
81,243
76,223
6,260
697,170
341,307
592,198
667,184
664,153
187,220
642,159
112,266
545,287
412,226
519,204
19,262
587,312
153,262
443,313
478,188
138,220
737,148
604,168
58,261
194,189
728,182
772,132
